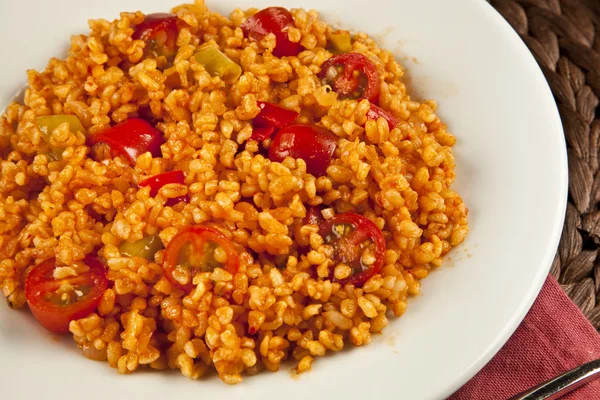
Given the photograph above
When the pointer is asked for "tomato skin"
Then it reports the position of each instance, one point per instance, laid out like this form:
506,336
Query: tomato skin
277,115
364,229
346,83
313,216
130,139
376,112
271,117
56,318
197,236
312,143
261,131
158,181
275,20
153,25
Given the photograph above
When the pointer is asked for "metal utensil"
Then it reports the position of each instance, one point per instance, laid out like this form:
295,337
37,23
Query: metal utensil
560,385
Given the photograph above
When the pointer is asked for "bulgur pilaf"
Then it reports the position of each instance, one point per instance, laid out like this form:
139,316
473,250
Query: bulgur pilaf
194,191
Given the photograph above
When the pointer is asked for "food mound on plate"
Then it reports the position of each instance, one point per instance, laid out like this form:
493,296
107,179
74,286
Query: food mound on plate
194,191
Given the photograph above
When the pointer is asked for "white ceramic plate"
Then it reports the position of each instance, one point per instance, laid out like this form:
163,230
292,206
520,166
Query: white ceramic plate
511,167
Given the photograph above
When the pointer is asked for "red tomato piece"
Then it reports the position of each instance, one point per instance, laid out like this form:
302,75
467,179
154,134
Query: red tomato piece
55,303
340,71
313,216
312,143
376,112
198,249
261,132
350,234
159,31
271,117
158,181
275,20
130,138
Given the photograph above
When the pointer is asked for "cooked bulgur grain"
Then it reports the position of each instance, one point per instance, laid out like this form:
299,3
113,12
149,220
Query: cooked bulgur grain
283,288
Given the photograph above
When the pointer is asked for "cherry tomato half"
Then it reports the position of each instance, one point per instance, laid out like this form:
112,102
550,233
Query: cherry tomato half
130,138
350,234
275,20
376,112
159,31
158,181
55,303
198,249
312,143
271,117
352,75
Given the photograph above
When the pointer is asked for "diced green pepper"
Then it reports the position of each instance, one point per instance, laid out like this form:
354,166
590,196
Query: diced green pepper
145,247
48,123
217,64
341,41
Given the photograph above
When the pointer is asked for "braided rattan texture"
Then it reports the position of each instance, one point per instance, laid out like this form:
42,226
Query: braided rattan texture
564,37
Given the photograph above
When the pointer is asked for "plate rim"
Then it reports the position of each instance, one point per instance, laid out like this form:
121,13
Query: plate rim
563,181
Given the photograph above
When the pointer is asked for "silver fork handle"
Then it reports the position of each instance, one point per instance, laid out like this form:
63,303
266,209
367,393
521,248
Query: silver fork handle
560,385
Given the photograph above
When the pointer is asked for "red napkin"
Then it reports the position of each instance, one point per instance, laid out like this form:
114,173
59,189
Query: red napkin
553,338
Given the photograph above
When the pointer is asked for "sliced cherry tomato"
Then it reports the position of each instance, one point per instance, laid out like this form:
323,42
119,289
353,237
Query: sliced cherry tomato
158,181
312,143
55,303
350,234
159,31
275,20
198,249
271,117
376,112
130,138
352,75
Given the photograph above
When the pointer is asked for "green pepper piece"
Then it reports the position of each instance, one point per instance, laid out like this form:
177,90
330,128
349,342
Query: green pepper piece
145,247
48,123
341,41
218,64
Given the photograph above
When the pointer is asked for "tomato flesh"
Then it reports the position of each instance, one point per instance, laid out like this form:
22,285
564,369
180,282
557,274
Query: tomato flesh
194,250
270,118
312,143
157,182
376,112
350,234
55,303
159,31
275,20
130,139
352,75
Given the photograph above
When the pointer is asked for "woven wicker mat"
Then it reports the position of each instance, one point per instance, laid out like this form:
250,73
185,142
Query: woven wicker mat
564,37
